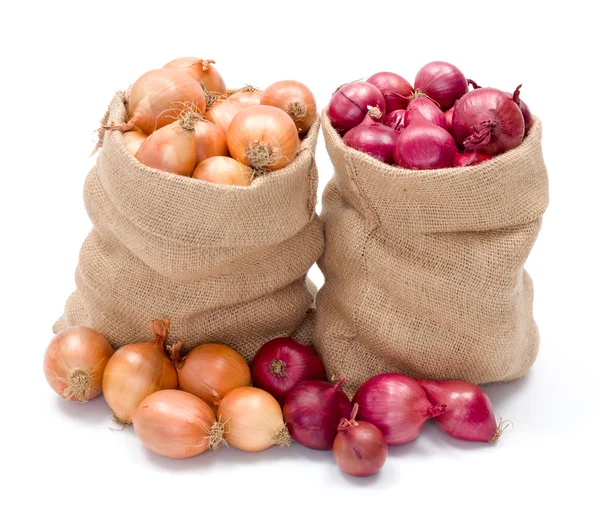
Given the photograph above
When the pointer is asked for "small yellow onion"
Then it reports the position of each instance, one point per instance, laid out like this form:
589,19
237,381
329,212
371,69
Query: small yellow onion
74,362
223,170
295,99
133,140
222,112
136,371
247,96
253,420
177,424
210,140
210,371
263,137
201,70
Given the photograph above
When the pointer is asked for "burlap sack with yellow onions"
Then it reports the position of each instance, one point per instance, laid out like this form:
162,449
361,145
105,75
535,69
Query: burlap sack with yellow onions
424,269
226,264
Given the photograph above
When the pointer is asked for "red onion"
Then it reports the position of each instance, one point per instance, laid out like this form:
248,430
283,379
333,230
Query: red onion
487,120
527,117
397,405
283,363
312,412
470,159
395,89
448,115
427,108
350,103
395,120
469,415
373,117
424,146
377,140
442,82
359,448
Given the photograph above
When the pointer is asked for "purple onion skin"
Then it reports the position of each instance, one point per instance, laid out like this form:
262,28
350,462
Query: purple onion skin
442,82
312,412
448,114
378,141
424,146
527,116
470,159
350,104
360,450
393,87
428,109
395,120
488,121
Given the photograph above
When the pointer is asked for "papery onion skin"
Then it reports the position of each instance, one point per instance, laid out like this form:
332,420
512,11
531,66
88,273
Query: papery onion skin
395,120
427,108
263,137
74,363
469,414
470,159
397,405
133,140
158,97
294,98
202,71
223,170
137,370
176,424
488,121
359,448
527,116
211,140
448,115
247,96
349,104
312,412
282,363
378,141
442,82
424,146
253,420
395,89
222,112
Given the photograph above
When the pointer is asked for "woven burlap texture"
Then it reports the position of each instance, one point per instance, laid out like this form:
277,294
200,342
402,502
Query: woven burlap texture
226,264
424,269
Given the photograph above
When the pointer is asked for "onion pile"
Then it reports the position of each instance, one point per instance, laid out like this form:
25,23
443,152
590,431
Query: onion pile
181,115
474,125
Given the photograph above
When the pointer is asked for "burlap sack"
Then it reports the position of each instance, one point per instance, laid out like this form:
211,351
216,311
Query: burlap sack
424,269
226,264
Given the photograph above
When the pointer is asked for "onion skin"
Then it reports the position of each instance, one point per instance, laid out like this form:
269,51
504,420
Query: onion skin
359,449
247,97
74,363
424,146
395,89
469,414
202,71
448,115
488,121
527,116
395,120
222,112
442,82
470,159
312,412
223,170
377,140
282,363
211,140
428,109
397,405
133,140
176,424
350,103
294,98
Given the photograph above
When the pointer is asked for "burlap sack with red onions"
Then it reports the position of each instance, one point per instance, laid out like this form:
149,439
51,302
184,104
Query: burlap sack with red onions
226,264
424,269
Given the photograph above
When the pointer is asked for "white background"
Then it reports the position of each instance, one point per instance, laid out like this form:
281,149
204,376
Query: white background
61,65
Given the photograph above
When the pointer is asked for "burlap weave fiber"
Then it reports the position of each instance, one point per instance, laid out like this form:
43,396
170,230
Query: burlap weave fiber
424,269
227,264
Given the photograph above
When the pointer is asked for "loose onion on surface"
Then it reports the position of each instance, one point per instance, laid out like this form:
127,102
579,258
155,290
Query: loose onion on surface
74,363
223,170
294,98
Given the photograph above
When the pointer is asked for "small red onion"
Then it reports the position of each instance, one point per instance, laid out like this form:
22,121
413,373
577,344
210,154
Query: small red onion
312,412
470,159
359,448
397,405
282,363
395,120
395,89
448,115
527,116
469,415
376,140
373,117
488,121
350,104
427,108
424,146
442,82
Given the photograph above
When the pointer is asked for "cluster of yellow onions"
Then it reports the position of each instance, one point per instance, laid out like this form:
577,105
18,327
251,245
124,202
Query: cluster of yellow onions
179,406
182,119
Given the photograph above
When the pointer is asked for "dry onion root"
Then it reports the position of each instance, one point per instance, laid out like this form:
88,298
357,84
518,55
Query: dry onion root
294,98
247,96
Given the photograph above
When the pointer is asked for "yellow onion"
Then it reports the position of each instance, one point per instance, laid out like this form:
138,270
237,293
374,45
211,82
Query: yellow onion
253,420
222,112
133,140
211,140
295,99
223,170
201,70
74,362
136,371
247,96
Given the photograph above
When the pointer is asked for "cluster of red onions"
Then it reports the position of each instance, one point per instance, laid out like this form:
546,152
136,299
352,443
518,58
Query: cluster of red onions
182,119
438,123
